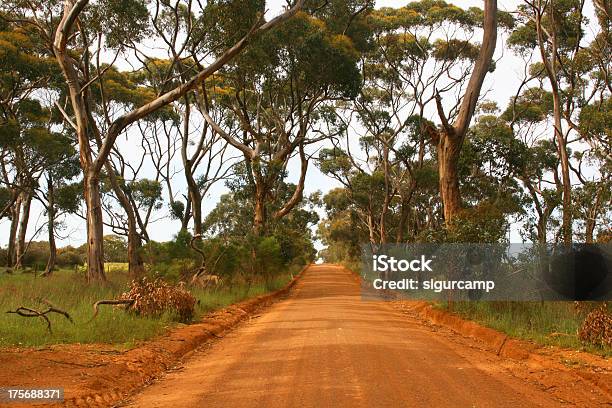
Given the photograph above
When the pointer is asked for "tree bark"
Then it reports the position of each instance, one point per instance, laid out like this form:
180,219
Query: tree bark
195,198
387,200
591,216
15,213
404,215
135,263
95,233
259,220
23,228
449,149
51,227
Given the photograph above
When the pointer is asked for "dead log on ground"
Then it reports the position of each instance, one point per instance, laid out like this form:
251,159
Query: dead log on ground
28,312
127,302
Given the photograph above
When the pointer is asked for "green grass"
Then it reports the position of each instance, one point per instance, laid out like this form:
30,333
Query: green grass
69,291
547,323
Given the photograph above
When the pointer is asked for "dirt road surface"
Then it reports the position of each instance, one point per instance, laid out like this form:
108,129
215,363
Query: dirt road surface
325,347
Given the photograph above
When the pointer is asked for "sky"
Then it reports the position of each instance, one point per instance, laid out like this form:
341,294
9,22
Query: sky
499,85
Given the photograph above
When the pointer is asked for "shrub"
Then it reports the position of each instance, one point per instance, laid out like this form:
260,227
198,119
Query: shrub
36,255
155,297
69,257
597,327
175,270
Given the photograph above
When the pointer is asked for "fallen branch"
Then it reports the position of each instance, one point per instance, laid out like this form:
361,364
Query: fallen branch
27,312
128,302
53,308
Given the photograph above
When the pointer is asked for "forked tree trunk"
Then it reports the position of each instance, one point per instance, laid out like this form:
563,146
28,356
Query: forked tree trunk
95,232
135,262
450,139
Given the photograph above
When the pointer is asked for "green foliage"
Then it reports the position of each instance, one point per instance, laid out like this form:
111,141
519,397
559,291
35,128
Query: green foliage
533,105
177,210
565,18
595,119
334,161
69,257
224,22
454,49
115,248
146,193
68,197
120,21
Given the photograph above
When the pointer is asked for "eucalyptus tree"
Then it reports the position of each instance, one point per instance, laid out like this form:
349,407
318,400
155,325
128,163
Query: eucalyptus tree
77,39
428,45
274,97
26,125
365,188
423,53
449,139
575,65
229,226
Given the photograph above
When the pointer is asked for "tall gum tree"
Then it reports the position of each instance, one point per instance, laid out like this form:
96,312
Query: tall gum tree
276,93
421,51
65,41
449,139
25,120
573,57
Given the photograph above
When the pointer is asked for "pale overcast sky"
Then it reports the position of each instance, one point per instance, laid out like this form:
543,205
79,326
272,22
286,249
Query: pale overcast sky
500,85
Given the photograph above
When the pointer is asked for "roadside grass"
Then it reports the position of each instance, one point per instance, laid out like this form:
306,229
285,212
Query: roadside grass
68,290
546,323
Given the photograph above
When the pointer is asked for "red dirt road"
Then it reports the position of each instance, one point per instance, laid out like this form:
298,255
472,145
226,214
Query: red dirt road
325,347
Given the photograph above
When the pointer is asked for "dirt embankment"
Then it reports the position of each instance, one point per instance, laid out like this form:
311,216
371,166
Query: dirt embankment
549,360
99,375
